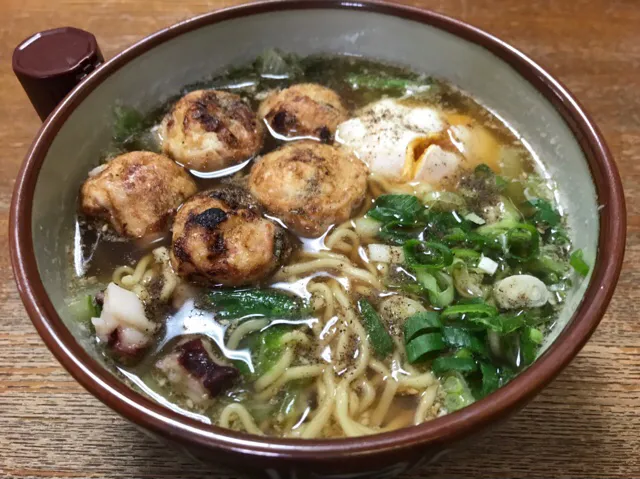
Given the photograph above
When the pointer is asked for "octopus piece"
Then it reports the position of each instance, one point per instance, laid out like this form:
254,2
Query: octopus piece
221,237
394,311
309,185
123,325
520,291
193,372
304,110
209,130
136,192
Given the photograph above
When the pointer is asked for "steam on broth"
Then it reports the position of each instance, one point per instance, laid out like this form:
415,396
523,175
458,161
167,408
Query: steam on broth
354,248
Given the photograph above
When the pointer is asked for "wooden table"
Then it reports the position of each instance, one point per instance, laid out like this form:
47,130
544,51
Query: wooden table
586,424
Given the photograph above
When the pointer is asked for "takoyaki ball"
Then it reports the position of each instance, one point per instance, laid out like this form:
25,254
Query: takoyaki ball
220,237
136,192
309,185
209,130
304,110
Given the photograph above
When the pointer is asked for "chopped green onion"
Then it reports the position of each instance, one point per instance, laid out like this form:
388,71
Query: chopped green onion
468,284
535,335
444,201
457,392
465,254
460,338
463,353
423,347
578,263
547,267
523,241
427,255
420,323
439,287
381,340
474,310
398,233
444,364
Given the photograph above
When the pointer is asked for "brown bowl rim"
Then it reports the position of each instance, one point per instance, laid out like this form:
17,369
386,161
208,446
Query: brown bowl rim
452,427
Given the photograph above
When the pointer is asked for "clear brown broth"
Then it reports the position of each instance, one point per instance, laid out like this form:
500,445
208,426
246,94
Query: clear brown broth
103,253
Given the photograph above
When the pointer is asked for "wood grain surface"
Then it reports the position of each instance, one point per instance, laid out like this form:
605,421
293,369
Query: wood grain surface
586,424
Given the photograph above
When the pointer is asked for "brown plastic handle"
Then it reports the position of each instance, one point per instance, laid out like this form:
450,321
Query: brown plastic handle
51,63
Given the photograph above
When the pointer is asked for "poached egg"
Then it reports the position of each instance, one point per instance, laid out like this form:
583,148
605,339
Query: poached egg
408,142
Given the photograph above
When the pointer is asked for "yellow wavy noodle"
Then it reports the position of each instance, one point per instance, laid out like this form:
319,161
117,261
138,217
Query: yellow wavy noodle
240,413
148,268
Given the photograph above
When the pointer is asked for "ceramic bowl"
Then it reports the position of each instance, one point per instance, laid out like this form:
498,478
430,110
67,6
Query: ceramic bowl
536,105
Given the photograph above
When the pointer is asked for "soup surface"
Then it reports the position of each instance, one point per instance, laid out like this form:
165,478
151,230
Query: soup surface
319,247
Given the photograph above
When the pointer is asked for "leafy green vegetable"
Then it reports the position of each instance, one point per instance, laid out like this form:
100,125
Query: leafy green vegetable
269,348
234,304
266,348
397,208
128,122
509,323
493,377
484,172
557,236
420,323
578,263
424,347
275,64
444,364
545,215
131,131
378,335
380,82
440,224
293,401
457,392
84,308
528,346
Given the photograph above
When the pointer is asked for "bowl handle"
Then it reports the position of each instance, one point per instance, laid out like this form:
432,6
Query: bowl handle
51,63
